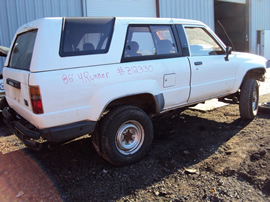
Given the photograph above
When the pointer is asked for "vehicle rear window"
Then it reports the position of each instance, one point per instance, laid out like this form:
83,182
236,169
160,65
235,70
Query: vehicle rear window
88,35
22,50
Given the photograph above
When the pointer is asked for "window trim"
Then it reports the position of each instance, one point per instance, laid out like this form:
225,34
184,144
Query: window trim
182,39
153,57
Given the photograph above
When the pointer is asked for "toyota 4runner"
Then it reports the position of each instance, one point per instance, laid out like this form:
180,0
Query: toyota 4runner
109,76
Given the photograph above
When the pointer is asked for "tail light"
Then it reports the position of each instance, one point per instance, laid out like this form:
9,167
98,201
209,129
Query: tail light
36,101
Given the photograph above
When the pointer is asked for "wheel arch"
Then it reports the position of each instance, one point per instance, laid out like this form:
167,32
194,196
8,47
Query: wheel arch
145,94
255,73
146,101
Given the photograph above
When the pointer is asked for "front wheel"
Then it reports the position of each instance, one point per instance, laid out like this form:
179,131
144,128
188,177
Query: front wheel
249,99
126,134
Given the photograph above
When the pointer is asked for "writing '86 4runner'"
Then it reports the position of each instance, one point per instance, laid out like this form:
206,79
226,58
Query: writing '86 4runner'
67,77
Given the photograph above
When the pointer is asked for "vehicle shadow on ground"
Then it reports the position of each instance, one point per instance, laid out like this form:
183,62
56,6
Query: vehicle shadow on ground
181,140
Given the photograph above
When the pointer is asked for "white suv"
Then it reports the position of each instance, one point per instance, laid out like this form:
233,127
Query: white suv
67,77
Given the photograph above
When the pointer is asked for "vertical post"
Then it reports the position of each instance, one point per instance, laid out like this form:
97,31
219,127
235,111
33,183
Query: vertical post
247,25
84,8
157,9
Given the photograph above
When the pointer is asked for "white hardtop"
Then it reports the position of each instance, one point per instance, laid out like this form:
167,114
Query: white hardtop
120,20
140,20
55,21
46,50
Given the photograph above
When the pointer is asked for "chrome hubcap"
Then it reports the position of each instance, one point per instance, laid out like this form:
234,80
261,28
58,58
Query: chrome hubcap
255,101
129,137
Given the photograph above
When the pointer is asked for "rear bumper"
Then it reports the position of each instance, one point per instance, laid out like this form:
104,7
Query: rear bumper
2,90
26,131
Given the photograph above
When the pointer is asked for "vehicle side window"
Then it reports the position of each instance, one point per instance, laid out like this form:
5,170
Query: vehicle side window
201,43
149,40
165,42
84,36
139,42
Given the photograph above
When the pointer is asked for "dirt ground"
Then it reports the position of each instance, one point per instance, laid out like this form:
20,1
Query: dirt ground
196,155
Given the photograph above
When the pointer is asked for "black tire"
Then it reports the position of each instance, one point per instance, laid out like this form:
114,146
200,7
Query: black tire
3,103
249,99
264,108
125,134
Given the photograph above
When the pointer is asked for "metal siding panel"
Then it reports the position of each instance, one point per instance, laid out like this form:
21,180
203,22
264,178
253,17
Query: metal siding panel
29,10
21,15
11,18
195,9
123,8
258,20
4,32
39,9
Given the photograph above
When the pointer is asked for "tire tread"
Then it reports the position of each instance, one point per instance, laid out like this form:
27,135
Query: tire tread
246,96
105,127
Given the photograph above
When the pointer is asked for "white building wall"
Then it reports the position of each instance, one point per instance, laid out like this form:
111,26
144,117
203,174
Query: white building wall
202,10
259,19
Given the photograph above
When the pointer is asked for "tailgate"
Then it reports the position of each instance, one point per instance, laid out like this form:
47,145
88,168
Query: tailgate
17,70
17,90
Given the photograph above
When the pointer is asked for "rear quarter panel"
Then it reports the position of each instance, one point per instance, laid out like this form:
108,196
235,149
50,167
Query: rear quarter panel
82,93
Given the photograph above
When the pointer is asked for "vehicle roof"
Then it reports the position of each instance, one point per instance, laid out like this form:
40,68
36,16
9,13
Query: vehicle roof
119,20
134,20
122,20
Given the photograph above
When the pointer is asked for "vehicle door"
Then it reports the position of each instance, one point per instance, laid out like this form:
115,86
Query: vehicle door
211,74
155,46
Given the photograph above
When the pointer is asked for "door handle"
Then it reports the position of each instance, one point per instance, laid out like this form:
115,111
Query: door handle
198,63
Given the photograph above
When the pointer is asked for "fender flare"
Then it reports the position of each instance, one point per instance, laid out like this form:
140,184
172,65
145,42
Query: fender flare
105,95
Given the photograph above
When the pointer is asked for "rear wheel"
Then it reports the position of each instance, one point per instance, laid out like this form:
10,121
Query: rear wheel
3,103
249,99
125,134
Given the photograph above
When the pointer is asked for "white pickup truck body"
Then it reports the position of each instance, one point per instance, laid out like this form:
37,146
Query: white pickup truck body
61,91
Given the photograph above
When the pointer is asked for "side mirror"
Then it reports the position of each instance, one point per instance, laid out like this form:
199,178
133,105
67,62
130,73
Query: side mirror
3,51
228,52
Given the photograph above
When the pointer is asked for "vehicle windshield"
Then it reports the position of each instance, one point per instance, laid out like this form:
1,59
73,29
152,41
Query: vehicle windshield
22,50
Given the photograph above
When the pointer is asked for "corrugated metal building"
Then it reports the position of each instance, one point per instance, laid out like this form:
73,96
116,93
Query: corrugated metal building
14,13
189,9
248,20
122,8
259,29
